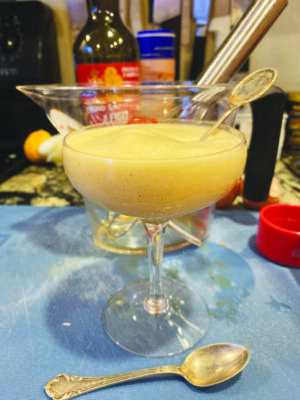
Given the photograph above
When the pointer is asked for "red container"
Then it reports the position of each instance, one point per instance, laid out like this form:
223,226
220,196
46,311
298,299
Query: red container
278,234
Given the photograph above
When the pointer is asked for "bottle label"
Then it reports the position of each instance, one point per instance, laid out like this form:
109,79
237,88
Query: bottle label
157,70
157,48
109,74
110,107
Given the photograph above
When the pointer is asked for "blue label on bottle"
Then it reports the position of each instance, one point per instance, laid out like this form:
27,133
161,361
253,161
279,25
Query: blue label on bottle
156,44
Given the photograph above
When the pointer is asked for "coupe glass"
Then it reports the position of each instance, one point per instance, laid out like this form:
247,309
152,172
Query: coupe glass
72,107
152,181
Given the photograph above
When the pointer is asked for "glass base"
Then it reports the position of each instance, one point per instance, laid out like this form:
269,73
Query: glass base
126,235
181,326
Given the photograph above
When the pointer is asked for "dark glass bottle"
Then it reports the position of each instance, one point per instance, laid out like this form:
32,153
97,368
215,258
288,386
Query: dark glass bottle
105,51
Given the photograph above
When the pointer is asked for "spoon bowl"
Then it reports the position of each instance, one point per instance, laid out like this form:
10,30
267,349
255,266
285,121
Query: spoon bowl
213,364
248,89
206,366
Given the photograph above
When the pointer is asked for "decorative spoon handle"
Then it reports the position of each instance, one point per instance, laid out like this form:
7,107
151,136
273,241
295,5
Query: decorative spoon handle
216,125
64,386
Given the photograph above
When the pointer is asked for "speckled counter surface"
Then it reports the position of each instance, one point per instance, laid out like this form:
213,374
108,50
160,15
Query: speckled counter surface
40,185
289,182
47,185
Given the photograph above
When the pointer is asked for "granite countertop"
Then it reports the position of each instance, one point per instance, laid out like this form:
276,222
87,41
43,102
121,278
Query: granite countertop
40,185
48,185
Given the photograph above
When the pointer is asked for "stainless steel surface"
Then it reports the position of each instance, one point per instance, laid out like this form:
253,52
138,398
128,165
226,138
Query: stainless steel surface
241,41
201,11
248,89
186,22
206,366
186,39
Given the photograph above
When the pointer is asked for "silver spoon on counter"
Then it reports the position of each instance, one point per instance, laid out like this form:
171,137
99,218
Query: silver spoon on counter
248,89
206,366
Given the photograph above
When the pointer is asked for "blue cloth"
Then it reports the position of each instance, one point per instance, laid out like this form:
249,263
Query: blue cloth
54,283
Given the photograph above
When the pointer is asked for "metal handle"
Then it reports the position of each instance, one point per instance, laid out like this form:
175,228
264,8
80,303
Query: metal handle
64,386
241,41
188,236
218,123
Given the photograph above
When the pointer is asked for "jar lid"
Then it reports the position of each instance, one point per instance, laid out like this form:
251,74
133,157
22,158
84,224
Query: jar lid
278,233
156,32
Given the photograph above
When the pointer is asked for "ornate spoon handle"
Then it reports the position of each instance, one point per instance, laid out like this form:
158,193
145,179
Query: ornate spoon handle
64,387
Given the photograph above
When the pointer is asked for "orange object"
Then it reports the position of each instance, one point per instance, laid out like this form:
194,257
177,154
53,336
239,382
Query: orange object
273,198
141,120
32,144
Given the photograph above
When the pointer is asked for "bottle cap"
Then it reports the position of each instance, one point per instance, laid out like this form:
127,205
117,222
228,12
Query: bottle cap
156,44
278,234
156,32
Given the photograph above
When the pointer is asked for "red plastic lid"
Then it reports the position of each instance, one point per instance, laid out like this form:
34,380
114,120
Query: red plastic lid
278,234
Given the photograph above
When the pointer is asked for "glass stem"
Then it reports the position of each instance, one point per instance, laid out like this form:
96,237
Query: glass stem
156,302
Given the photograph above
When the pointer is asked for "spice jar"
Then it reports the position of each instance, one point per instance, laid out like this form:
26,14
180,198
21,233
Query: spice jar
292,141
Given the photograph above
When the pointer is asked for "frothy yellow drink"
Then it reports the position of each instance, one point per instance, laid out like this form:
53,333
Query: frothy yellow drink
154,171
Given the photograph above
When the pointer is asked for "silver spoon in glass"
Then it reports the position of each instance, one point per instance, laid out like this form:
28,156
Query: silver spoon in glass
206,366
248,89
